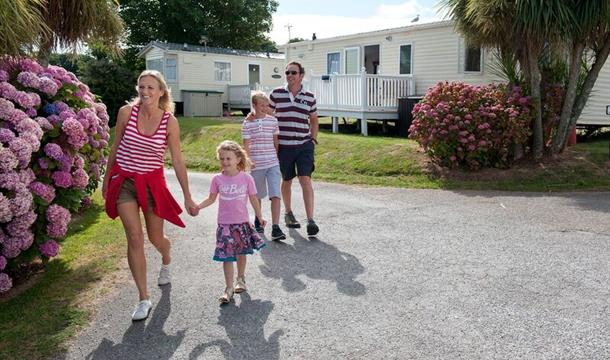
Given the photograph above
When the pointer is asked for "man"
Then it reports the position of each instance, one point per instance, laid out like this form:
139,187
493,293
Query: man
295,110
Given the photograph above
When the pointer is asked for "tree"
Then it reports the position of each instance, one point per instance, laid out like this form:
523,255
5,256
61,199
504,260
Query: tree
590,31
524,28
108,77
21,24
295,40
74,21
239,24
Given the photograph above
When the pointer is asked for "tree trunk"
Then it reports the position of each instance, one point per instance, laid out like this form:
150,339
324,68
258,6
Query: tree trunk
581,100
568,102
532,58
46,46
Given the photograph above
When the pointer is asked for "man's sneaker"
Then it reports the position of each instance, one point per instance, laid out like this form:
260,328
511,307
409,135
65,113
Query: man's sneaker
312,228
240,284
258,226
291,221
142,310
164,276
277,233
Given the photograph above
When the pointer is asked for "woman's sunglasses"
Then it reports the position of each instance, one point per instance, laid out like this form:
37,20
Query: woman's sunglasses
291,72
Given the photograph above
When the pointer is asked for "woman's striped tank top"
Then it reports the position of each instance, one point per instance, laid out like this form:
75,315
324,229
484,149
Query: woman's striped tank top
141,153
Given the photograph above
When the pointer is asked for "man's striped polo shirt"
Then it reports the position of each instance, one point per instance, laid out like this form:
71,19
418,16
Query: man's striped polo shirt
292,113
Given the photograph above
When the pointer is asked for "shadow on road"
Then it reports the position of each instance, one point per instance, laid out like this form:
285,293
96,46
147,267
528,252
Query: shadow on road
144,339
314,259
245,327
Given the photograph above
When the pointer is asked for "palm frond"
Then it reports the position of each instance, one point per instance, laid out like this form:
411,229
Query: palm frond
21,23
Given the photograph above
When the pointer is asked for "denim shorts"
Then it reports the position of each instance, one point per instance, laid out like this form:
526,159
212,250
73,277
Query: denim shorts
267,181
297,160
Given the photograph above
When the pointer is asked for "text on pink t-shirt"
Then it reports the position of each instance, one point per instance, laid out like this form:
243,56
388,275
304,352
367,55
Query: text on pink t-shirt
233,193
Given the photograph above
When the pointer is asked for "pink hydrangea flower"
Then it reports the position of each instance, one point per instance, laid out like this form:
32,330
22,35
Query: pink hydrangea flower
62,179
45,191
80,179
49,249
5,282
75,131
5,209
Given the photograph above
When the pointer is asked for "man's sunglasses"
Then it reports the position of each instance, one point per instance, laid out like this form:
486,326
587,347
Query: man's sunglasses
291,72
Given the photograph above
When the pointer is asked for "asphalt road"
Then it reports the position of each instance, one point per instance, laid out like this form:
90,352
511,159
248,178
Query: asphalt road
394,274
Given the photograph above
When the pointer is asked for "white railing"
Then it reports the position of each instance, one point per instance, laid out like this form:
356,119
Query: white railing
239,95
363,92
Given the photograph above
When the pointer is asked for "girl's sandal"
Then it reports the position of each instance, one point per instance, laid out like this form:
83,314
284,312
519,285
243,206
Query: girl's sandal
227,296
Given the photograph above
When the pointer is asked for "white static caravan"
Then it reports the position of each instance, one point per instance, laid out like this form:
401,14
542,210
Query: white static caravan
362,75
205,79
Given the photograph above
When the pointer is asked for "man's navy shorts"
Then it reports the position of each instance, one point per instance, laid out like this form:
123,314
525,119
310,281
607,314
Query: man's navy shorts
297,160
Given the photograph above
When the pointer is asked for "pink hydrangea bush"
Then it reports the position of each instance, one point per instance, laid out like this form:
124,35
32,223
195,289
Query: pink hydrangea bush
471,126
53,146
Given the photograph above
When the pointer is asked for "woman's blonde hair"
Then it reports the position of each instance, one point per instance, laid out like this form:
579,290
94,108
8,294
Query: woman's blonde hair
165,101
229,145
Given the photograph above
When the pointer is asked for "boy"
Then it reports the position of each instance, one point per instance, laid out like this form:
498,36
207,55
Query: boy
260,136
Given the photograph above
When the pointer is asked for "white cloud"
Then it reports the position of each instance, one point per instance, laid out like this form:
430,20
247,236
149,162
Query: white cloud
325,26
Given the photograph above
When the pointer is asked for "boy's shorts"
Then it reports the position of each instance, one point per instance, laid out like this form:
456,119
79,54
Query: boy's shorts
297,160
267,179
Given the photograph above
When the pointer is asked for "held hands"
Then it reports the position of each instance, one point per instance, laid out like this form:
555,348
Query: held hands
191,207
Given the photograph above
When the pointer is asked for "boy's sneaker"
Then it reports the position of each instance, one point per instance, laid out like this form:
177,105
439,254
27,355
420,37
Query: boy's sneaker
258,226
164,276
291,221
277,233
240,284
142,310
312,228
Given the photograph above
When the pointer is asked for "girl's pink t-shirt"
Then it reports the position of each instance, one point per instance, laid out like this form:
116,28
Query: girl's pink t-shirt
233,193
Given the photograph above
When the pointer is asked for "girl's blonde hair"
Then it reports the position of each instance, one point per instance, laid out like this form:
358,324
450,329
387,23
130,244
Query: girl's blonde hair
229,145
165,101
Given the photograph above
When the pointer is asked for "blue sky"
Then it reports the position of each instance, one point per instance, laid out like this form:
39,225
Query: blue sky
328,18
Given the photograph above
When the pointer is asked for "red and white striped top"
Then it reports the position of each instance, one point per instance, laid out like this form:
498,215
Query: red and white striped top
140,153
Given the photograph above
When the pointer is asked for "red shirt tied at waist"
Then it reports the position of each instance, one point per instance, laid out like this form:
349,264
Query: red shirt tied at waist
166,206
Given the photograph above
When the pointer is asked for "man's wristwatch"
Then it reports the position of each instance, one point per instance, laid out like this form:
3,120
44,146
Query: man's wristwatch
314,141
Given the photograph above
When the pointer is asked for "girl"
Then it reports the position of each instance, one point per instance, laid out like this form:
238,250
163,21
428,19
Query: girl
235,237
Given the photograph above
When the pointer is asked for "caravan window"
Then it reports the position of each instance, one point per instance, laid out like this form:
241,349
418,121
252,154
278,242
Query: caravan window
333,64
170,69
352,60
472,59
155,64
222,71
406,60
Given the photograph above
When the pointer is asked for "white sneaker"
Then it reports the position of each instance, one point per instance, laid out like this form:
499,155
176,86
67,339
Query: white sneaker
142,310
164,276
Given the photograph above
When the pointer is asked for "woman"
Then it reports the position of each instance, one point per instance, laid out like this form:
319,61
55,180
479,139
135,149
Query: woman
145,128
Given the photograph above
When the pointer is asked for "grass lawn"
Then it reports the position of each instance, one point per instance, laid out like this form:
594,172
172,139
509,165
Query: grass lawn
396,161
37,322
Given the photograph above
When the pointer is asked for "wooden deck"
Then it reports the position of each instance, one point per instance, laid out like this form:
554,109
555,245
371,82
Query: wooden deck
361,96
